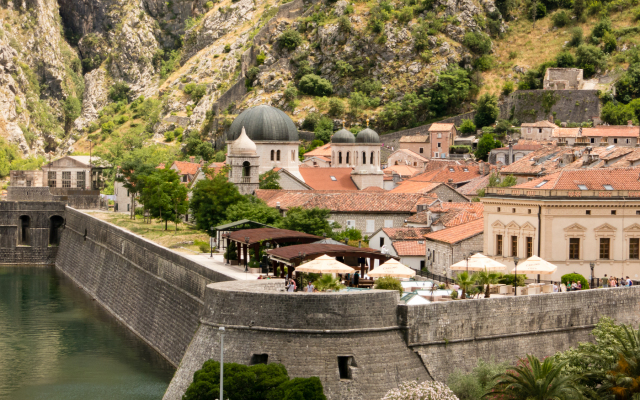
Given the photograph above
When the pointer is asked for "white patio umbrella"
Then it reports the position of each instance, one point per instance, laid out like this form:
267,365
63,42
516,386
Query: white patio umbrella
535,265
478,262
392,268
325,265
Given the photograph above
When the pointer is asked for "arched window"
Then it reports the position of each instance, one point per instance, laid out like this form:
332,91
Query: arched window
273,155
347,157
246,168
371,159
364,158
396,162
55,225
24,236
339,157
278,155
293,155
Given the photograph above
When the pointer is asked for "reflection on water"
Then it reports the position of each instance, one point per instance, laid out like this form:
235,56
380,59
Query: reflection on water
56,343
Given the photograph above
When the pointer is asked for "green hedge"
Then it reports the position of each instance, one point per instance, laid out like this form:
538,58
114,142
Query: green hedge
566,279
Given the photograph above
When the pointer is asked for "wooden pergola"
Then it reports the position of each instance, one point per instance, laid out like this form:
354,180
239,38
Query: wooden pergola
293,256
270,237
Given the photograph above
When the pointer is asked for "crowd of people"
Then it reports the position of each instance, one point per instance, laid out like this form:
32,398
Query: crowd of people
615,282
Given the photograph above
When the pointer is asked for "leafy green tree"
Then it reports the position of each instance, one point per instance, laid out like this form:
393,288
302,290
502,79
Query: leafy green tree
344,68
195,146
253,209
299,389
405,113
336,107
357,101
616,114
485,145
576,34
503,126
477,42
290,39
211,198
628,86
486,110
565,60
452,87
590,58
508,181
195,91
324,129
533,380
465,281
133,173
473,385
507,88
467,127
573,277
8,156
312,221
119,91
164,195
72,107
578,9
269,180
388,283
314,85
610,43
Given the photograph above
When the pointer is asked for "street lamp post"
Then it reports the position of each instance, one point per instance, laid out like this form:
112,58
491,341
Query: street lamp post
592,265
211,242
90,168
246,256
515,276
221,362
466,257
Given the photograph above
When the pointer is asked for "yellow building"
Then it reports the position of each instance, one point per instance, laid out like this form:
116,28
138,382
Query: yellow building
571,218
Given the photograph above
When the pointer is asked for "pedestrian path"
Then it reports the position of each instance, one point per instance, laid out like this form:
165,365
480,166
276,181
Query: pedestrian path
217,264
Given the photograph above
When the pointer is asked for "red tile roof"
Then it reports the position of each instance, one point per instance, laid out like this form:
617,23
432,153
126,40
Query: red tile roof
320,178
565,132
457,173
522,147
475,206
415,139
402,170
185,167
539,124
345,201
411,153
411,248
455,217
420,218
471,188
406,233
323,151
593,179
542,161
441,127
612,131
458,233
373,189
415,187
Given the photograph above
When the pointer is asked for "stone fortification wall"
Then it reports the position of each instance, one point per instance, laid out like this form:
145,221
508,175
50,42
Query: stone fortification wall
506,328
76,198
36,249
307,332
154,291
536,105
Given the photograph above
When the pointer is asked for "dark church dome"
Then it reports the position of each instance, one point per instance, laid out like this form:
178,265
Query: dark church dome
343,136
264,123
367,136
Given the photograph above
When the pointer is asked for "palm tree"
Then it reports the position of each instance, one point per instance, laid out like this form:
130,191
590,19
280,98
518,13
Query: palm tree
488,278
533,380
623,380
465,281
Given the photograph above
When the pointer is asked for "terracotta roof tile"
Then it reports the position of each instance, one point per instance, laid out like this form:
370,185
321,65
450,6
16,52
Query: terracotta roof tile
415,139
402,170
373,189
423,217
415,187
565,132
539,124
471,188
457,173
592,179
475,206
455,217
458,233
523,147
544,161
411,153
185,167
440,127
345,201
612,131
411,248
321,178
324,151
406,233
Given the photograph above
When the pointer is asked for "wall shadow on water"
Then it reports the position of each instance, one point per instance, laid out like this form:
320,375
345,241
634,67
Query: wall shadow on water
57,343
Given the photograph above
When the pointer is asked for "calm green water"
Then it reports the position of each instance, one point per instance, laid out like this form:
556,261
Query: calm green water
56,343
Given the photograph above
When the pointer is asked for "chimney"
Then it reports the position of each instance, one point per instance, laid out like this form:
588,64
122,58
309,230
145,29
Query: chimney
551,118
277,205
510,160
629,123
449,180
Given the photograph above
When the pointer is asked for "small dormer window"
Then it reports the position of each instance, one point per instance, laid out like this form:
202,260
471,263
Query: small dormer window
607,187
333,178
465,169
451,170
541,184
583,187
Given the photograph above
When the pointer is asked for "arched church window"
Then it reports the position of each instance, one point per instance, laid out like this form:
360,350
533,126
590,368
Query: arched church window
278,155
293,155
272,154
364,158
339,157
347,157
246,168
371,159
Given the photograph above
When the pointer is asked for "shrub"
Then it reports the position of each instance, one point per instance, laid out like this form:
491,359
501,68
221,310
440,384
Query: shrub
590,58
344,24
565,60
290,39
507,88
484,63
169,136
203,246
425,390
324,129
467,126
610,42
328,282
507,279
311,121
290,93
601,28
486,110
561,19
388,283
473,385
314,85
227,48
405,14
540,12
336,107
260,58
478,43
208,5
344,68
252,73
231,253
352,234
107,127
119,91
196,92
568,278
576,37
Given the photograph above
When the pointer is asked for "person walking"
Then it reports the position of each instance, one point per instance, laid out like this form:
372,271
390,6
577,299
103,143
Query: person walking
356,279
605,281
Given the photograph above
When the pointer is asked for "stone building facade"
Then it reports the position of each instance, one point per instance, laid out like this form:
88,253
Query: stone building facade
418,144
26,178
408,157
442,136
448,246
563,79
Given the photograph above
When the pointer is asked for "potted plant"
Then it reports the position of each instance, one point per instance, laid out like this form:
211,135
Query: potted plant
231,255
